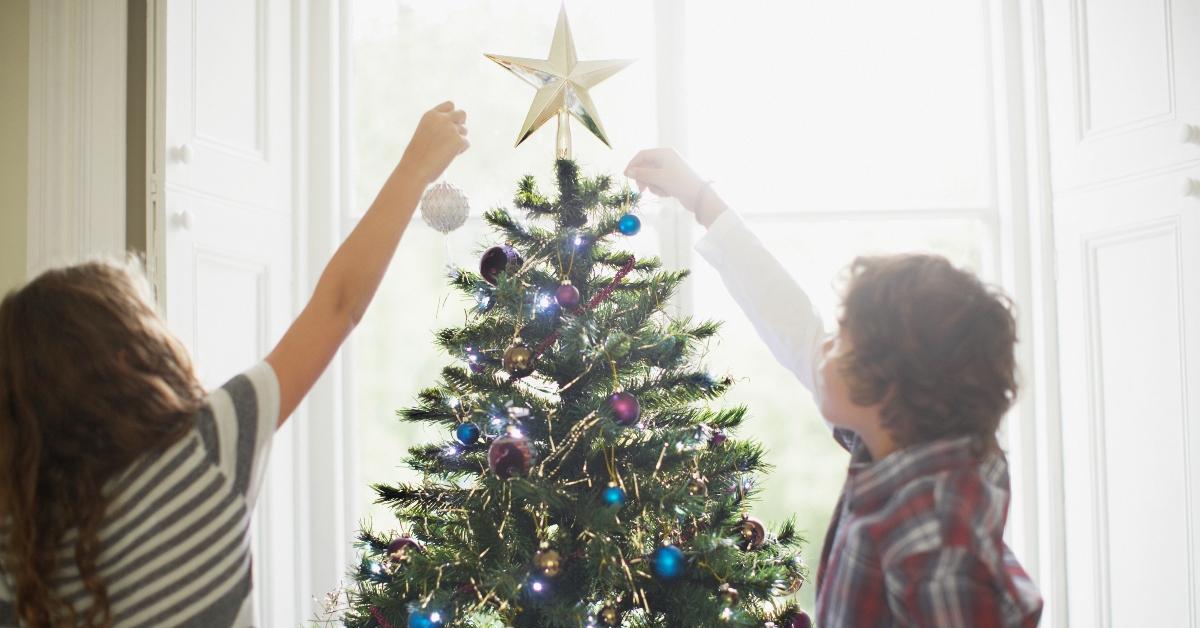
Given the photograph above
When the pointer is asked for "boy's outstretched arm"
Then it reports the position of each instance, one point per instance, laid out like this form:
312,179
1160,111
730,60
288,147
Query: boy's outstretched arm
350,279
778,307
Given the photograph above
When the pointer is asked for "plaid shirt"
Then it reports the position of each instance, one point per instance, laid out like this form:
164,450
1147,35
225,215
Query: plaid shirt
917,541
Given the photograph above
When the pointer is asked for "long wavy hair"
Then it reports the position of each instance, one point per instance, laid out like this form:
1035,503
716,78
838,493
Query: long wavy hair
90,381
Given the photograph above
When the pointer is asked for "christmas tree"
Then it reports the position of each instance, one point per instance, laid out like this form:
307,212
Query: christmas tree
584,480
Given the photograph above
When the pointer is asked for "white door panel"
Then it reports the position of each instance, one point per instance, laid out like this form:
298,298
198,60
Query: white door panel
1123,83
229,73
1121,76
1129,278
228,225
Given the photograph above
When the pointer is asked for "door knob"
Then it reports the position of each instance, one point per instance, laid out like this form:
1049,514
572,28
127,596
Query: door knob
1190,134
1190,187
183,220
183,153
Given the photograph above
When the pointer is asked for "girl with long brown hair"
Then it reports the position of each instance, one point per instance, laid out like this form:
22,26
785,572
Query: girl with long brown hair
125,489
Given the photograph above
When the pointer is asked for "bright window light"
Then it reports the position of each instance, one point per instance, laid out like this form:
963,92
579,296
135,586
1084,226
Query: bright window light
838,128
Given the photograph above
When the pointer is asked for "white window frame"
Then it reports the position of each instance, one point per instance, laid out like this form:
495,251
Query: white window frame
323,488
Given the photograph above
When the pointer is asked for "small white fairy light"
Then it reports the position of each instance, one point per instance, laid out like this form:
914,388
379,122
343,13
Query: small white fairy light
483,300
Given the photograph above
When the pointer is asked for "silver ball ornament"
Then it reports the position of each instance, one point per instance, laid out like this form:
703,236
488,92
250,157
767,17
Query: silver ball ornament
444,207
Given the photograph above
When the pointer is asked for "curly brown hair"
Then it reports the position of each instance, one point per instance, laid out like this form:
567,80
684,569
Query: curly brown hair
933,344
90,380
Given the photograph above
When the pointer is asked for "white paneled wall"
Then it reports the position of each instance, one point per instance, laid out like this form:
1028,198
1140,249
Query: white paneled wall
76,206
1123,87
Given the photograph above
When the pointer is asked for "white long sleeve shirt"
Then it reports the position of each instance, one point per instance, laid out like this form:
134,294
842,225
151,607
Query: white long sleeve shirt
780,310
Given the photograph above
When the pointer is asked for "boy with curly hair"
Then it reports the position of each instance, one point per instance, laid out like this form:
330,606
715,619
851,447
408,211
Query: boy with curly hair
914,384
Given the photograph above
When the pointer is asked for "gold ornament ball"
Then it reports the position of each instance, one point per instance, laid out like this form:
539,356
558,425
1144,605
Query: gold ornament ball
753,533
795,579
729,595
791,586
548,561
697,486
610,616
518,360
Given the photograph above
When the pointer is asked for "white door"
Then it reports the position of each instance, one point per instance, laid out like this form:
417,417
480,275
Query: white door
227,221
1123,83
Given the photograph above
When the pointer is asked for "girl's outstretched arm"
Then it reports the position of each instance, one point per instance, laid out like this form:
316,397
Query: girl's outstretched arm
353,274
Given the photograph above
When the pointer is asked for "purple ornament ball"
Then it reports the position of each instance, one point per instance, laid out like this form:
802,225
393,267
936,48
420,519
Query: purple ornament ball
567,296
510,456
800,620
499,259
625,407
400,549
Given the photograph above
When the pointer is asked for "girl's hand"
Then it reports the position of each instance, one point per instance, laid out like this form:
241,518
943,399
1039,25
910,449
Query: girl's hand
440,137
665,173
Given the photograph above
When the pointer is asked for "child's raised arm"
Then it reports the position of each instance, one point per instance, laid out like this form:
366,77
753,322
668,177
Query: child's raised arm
781,312
353,274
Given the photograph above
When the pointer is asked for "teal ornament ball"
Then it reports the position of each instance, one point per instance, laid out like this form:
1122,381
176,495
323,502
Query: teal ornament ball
614,496
426,618
668,562
467,433
629,224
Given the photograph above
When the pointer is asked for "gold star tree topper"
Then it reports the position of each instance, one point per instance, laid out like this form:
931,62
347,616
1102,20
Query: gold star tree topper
562,83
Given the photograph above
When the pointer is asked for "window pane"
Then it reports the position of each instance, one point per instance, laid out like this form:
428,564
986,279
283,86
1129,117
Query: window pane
809,466
393,355
829,104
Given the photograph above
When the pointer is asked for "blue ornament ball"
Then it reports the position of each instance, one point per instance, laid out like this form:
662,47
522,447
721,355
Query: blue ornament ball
668,562
614,496
629,224
467,433
426,618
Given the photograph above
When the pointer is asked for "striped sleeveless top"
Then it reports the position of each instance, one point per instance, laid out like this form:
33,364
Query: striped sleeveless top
176,539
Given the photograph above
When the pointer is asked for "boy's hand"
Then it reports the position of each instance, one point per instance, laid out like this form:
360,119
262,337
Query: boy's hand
665,173
441,136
